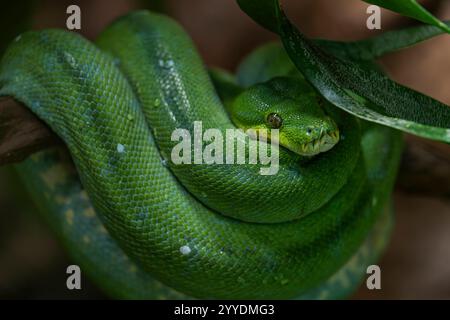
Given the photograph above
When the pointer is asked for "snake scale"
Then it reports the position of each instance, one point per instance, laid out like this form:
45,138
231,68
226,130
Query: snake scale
143,227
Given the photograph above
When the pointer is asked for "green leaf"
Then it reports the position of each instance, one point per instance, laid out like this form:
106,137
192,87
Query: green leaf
265,13
411,9
355,88
271,60
373,48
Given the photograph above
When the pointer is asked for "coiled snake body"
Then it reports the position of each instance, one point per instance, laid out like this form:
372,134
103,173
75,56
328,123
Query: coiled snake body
161,230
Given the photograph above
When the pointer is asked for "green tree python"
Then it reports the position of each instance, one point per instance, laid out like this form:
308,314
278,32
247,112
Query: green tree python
143,227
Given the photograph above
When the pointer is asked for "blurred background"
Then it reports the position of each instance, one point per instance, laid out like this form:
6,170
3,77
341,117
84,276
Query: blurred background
416,264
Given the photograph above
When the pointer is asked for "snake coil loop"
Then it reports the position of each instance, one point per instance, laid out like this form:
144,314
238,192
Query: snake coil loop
116,104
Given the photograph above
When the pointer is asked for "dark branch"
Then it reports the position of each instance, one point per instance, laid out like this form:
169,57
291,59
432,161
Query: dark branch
425,167
21,132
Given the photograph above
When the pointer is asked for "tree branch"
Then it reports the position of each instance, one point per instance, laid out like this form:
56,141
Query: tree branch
21,132
425,167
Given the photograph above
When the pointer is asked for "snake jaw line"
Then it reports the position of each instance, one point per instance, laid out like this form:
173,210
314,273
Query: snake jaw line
325,142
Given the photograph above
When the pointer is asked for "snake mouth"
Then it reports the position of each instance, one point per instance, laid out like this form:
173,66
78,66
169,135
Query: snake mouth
325,142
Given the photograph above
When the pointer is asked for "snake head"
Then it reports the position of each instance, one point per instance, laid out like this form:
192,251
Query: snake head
291,106
320,135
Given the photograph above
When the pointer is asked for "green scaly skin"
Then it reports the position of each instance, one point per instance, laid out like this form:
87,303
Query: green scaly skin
143,80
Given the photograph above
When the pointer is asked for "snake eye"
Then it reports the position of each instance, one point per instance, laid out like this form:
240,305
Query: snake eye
274,121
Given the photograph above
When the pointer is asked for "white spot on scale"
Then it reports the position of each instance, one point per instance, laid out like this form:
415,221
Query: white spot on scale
374,201
120,148
185,250
70,59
